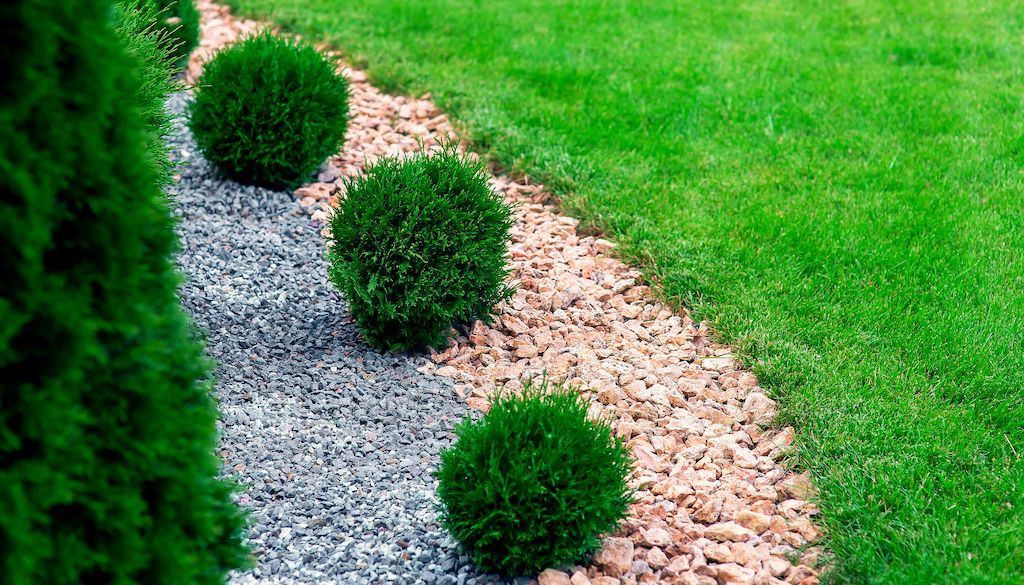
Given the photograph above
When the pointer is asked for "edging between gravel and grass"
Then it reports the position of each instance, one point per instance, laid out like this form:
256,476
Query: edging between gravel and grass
715,500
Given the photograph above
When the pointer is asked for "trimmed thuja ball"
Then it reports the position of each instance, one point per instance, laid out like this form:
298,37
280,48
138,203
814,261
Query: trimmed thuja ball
420,244
269,111
534,483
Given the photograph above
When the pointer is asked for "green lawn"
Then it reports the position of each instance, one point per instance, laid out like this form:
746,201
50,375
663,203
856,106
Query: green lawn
837,185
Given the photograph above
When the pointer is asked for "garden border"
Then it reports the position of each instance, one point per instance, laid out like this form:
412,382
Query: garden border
715,502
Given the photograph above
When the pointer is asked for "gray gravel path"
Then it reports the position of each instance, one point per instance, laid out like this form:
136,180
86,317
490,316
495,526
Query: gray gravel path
333,442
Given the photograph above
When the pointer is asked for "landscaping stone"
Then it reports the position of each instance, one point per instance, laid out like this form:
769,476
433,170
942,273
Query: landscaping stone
332,443
656,558
616,556
733,574
757,523
553,577
728,532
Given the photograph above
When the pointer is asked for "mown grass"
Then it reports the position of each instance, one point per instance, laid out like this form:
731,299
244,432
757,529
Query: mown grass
838,186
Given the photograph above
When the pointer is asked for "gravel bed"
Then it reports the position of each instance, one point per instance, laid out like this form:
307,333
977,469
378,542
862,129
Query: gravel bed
334,443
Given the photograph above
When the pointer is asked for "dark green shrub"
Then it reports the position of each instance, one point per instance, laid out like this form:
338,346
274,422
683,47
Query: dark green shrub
270,110
418,245
534,483
153,48
107,473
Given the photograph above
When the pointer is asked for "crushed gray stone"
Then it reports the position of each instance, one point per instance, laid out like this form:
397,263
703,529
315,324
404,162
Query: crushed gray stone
333,442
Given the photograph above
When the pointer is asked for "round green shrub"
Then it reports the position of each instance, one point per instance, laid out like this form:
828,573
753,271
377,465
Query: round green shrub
269,110
107,428
420,244
534,483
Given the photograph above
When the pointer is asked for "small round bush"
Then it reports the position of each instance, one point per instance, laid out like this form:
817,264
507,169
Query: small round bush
420,244
269,110
534,483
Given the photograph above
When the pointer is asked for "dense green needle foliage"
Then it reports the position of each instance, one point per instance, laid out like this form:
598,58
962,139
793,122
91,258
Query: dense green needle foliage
107,471
534,483
179,19
837,185
152,48
270,110
418,245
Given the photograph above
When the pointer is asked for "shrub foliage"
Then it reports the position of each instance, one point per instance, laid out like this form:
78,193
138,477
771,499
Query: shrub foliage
418,245
180,21
152,47
106,435
534,483
270,110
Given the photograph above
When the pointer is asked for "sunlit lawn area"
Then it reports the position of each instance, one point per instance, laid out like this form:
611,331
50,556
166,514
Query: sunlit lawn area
837,186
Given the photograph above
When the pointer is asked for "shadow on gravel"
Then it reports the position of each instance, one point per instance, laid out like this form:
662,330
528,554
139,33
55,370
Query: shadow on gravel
333,442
